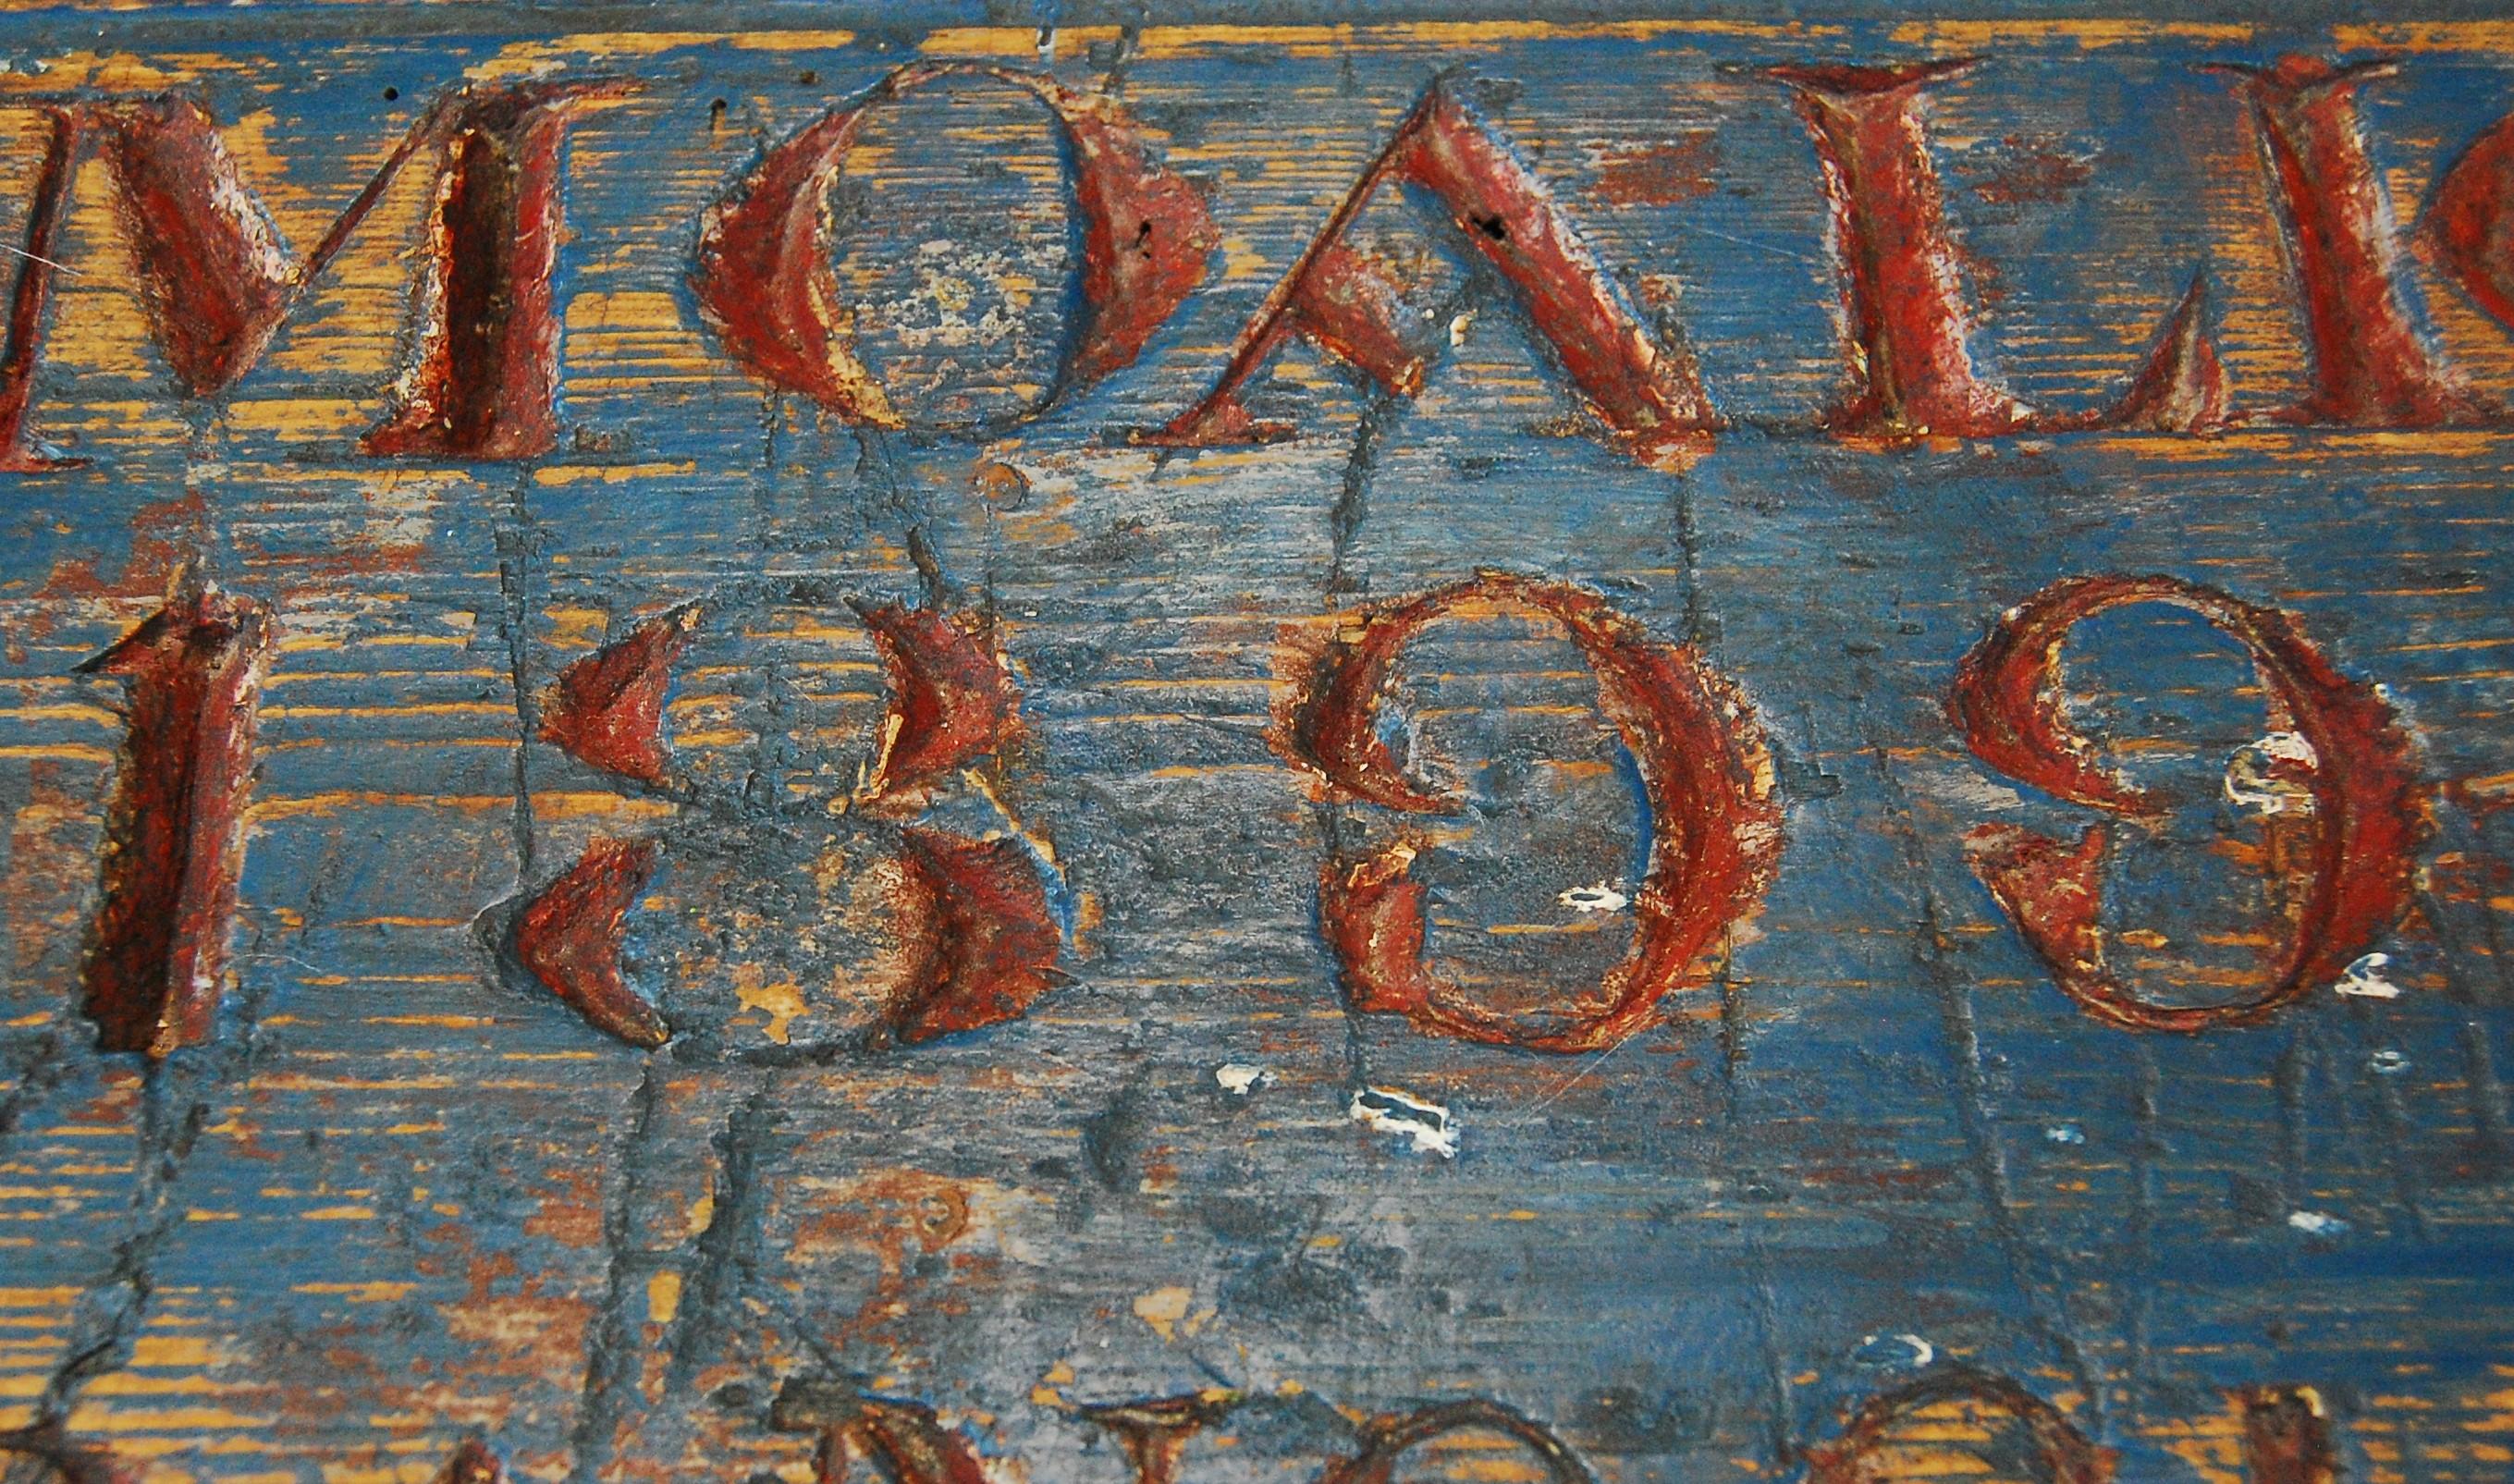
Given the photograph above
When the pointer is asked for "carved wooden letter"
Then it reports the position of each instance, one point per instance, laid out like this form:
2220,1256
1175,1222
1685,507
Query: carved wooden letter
2368,802
1715,832
218,282
764,280
174,833
1648,397
2372,365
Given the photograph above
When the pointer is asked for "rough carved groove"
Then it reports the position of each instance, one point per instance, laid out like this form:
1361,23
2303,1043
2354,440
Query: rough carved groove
764,283
1715,835
217,281
1649,397
174,828
2370,804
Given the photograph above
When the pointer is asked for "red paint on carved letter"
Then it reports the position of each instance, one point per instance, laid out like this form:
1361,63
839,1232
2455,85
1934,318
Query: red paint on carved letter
570,936
1715,822
483,377
2370,804
1888,1424
2287,1438
1155,1434
950,699
985,945
2469,222
216,282
764,279
607,708
1385,1441
173,832
2372,364
902,1441
1648,397
1906,322
32,298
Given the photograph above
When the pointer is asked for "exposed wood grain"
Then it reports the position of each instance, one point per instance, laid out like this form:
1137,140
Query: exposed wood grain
401,1198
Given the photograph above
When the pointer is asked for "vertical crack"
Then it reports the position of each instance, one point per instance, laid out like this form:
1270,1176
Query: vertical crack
2147,1145
1778,1429
517,545
610,1344
174,1109
2034,1276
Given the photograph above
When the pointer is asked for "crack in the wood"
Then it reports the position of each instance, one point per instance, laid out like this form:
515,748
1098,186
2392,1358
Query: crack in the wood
517,545
1780,1431
174,1110
2035,1274
611,1347
2147,1145
878,464
2392,1117
727,1250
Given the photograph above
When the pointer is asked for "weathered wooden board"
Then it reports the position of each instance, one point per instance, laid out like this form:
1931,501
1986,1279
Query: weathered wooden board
402,1195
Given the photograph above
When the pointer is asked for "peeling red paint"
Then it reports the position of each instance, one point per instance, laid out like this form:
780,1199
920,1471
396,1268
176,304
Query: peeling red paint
1907,322
1865,1452
952,701
904,1441
1649,397
986,946
1670,172
30,300
2370,813
570,935
2373,366
482,381
2469,226
2038,171
1715,837
472,1461
216,282
607,708
174,832
1155,1434
2182,387
2286,1439
765,281
1385,1441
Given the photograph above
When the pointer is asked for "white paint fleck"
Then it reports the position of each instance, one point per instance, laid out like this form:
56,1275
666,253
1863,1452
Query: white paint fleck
2065,1133
1385,1111
2253,780
2365,978
2316,1223
1458,328
1602,898
1240,1078
2387,1064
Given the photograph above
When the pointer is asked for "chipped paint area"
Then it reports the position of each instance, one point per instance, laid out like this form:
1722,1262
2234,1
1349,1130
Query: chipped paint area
1426,1127
1599,898
1240,1078
2364,979
837,886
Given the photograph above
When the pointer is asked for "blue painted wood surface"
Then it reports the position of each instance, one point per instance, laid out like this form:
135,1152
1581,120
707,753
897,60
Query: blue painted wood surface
400,1199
